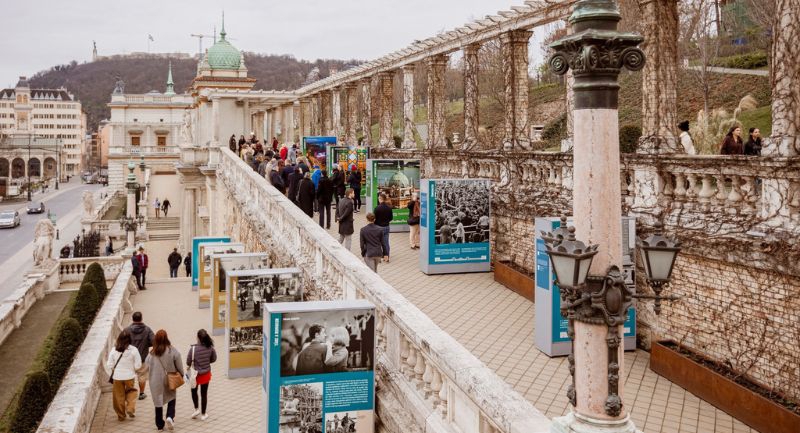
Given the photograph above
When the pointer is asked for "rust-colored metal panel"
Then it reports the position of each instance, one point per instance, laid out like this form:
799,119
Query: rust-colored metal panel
514,280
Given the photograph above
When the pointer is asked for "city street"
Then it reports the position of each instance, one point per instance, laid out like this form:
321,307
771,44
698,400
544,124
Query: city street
16,254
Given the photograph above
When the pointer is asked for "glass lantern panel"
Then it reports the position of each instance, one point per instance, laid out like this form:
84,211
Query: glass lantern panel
565,270
584,269
660,263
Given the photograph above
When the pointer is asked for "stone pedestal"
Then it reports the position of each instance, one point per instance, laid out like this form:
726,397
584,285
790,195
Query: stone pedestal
575,423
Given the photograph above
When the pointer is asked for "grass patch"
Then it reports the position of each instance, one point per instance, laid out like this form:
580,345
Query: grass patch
760,118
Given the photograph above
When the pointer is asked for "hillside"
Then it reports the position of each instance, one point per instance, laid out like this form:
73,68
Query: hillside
93,82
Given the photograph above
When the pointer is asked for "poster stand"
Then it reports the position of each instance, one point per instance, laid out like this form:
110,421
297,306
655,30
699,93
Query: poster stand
219,298
205,269
196,241
398,179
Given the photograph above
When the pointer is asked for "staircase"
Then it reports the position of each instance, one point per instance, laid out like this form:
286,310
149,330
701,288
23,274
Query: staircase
163,229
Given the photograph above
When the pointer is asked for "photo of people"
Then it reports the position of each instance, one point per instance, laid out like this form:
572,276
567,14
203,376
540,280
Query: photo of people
398,180
217,249
251,291
301,408
327,342
262,262
348,422
246,339
462,211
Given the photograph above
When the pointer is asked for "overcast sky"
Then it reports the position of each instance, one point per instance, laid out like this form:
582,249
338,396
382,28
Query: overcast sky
38,34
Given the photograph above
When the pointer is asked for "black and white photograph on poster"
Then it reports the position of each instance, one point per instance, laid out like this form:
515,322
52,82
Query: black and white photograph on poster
252,291
327,342
246,339
223,310
301,408
462,211
264,263
353,421
215,249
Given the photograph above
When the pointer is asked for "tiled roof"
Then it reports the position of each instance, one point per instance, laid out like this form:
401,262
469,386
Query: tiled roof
40,94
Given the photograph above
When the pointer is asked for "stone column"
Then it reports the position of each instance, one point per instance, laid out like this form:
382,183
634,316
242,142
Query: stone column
288,123
188,219
248,120
314,115
351,100
514,53
471,96
366,109
297,125
273,121
437,65
784,77
386,107
215,122
660,77
337,112
327,112
408,107
598,357
305,127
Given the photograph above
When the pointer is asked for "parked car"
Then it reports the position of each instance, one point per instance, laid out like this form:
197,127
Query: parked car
9,219
35,208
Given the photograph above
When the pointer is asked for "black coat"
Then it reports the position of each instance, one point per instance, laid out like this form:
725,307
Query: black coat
344,214
325,190
305,196
174,259
294,183
371,238
277,181
354,180
338,183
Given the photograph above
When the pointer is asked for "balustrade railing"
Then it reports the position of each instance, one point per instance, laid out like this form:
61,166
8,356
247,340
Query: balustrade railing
146,150
73,270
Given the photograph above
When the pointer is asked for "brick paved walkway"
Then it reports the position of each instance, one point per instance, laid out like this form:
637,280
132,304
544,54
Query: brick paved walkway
491,321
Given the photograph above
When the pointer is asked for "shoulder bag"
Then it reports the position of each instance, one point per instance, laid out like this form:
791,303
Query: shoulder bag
172,380
111,377
192,373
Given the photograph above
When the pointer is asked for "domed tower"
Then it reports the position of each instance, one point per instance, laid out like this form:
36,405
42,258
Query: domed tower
222,67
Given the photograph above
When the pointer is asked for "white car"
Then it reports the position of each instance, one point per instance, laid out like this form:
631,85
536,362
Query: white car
9,219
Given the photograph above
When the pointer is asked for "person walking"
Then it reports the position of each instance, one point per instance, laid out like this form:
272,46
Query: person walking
294,184
109,246
174,260
276,180
305,195
142,340
274,144
354,180
121,366
201,356
753,145
686,139
137,269
165,206
143,260
292,154
383,218
732,144
157,207
187,263
344,216
413,221
324,199
232,143
162,360
373,247
338,185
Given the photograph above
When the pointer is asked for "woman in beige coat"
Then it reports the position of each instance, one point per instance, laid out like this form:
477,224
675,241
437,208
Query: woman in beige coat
163,359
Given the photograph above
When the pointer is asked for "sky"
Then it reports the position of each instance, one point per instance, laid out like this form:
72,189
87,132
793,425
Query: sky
39,34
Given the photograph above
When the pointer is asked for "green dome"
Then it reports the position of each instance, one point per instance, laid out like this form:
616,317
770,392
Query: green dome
223,55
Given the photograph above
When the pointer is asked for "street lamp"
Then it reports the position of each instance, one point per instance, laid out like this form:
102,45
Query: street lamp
28,164
659,260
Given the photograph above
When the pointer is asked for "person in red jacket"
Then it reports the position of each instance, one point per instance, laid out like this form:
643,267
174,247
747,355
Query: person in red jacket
284,152
142,257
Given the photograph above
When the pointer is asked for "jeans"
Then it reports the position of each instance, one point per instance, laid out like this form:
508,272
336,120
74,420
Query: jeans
372,262
144,275
160,414
203,395
324,209
346,240
173,272
357,198
138,276
386,231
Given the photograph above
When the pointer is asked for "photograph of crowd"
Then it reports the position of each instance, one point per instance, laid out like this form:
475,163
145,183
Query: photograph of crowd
235,264
251,291
349,422
398,180
327,342
462,211
301,408
246,339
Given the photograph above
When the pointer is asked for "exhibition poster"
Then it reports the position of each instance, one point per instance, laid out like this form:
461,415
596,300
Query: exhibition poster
318,367
219,298
196,254
205,283
316,150
247,290
399,180
345,157
458,226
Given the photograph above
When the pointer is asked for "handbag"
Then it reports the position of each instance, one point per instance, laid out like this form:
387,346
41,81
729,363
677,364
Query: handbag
172,380
192,374
111,377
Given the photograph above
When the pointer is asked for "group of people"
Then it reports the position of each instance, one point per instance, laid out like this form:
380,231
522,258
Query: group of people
344,425
174,261
141,356
159,206
732,144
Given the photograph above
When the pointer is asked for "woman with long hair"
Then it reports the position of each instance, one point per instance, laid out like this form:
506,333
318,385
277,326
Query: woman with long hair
753,145
121,366
413,221
201,356
732,144
162,360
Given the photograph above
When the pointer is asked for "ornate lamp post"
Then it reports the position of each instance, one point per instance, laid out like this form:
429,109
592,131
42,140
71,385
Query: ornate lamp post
130,222
659,260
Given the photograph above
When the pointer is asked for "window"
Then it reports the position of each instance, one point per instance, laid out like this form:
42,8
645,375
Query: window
161,140
135,140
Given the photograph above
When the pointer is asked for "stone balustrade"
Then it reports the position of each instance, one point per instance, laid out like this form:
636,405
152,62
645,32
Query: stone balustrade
146,150
422,371
13,308
73,407
73,270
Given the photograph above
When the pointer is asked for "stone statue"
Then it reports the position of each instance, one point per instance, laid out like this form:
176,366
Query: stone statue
88,204
186,129
43,235
119,87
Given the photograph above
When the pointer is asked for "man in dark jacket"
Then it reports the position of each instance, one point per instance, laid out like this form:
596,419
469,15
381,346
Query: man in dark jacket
174,261
324,199
338,185
276,180
144,261
187,262
287,171
372,245
383,217
354,180
306,195
344,216
141,339
137,269
311,359
294,184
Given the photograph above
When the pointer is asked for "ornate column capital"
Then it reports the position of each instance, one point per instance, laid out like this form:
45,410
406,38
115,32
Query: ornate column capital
437,60
516,37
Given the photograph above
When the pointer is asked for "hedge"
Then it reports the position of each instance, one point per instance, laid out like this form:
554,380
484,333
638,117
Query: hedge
33,401
96,276
753,60
85,307
69,337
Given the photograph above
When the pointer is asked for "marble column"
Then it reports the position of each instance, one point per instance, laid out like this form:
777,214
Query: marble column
305,127
314,115
327,112
188,219
215,122
784,78
247,119
336,102
288,124
366,110
296,122
351,104
273,121
437,65
408,107
386,107
514,53
471,96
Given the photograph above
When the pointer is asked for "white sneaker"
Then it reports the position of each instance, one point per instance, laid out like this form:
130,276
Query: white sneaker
170,424
196,413
204,417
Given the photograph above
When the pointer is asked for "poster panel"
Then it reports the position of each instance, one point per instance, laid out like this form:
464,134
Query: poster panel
399,180
196,241
346,157
219,298
318,367
247,290
205,270
456,215
315,150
